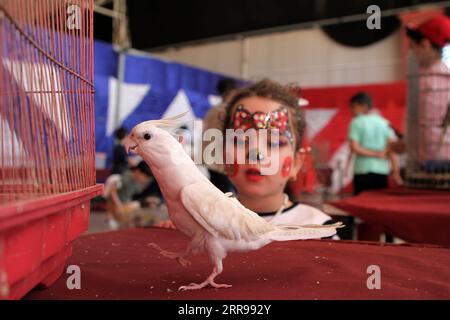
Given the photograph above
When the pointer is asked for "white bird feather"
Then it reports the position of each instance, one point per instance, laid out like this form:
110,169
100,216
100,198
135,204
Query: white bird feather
215,222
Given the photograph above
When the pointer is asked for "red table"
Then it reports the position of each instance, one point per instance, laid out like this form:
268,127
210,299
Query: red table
121,265
414,215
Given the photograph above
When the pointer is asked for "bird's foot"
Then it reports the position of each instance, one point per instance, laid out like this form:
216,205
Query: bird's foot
184,262
171,255
220,285
165,253
196,286
156,247
176,256
193,286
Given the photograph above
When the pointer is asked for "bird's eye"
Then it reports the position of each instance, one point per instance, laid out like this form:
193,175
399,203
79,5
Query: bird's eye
147,136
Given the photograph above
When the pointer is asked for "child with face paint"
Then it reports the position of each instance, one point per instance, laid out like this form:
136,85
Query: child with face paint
269,105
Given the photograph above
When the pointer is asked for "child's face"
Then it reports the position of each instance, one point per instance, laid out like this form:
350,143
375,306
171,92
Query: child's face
423,51
358,108
246,177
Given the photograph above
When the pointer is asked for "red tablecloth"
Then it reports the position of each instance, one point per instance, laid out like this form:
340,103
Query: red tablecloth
121,265
414,215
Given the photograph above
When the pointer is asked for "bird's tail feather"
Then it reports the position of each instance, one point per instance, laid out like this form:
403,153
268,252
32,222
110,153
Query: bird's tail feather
336,225
287,232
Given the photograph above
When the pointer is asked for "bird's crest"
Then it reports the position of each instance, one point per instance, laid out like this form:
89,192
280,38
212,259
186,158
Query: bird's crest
170,122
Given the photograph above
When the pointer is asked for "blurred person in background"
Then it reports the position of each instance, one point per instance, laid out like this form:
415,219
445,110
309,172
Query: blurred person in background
133,198
120,161
427,42
370,136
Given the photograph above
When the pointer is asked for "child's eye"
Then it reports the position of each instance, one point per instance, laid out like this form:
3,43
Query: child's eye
274,144
277,143
283,143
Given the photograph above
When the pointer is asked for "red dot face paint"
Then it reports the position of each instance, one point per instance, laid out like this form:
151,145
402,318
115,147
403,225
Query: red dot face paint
286,168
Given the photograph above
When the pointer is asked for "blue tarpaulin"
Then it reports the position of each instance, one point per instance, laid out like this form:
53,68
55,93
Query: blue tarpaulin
149,88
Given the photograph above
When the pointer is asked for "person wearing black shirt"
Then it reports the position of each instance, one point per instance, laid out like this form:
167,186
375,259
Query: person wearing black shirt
120,156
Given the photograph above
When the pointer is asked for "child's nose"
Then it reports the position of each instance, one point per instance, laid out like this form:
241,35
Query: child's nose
255,155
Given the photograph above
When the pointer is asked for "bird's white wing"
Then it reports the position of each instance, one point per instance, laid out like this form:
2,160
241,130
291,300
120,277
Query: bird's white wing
222,215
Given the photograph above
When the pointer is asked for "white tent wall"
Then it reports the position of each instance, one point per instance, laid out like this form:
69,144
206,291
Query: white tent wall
307,56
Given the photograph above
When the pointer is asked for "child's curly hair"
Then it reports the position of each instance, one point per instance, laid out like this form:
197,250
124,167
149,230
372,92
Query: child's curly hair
285,95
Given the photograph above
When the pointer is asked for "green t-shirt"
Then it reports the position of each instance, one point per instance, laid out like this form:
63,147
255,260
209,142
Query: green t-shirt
372,132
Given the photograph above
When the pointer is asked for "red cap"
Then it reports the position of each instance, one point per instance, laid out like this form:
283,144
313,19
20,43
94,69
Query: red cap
436,29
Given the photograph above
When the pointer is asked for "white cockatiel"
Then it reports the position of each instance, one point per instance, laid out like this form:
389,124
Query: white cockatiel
215,222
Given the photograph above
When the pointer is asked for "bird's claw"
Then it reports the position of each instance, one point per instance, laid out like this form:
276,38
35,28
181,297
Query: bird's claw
191,286
196,286
184,262
171,255
220,285
154,246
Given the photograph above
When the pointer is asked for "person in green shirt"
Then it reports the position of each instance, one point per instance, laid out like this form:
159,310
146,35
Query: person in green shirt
370,136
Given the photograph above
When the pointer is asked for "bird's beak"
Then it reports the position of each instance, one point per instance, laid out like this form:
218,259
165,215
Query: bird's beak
130,144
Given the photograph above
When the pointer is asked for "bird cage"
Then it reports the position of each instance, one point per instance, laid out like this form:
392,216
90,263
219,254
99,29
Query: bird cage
47,151
428,117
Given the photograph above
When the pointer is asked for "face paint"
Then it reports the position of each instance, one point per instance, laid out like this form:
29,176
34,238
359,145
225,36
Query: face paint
286,168
276,119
